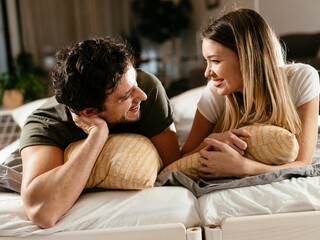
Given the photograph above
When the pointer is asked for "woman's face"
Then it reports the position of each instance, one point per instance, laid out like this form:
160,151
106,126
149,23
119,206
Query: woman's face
222,67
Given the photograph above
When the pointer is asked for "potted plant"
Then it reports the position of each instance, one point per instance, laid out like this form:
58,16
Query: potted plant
21,85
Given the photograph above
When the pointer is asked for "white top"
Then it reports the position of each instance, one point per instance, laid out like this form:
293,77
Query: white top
304,86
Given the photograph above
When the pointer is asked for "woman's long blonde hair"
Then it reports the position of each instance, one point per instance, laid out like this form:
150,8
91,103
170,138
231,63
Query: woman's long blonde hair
266,96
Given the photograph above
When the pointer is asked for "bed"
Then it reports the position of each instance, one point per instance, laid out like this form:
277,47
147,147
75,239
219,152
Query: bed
285,209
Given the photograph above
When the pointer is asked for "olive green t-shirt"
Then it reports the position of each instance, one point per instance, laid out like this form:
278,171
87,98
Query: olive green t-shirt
52,124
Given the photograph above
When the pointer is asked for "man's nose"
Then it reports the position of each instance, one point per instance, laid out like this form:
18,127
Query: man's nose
141,95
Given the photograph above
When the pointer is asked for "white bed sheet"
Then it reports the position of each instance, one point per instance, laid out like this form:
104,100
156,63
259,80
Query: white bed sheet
4,153
102,210
109,209
290,195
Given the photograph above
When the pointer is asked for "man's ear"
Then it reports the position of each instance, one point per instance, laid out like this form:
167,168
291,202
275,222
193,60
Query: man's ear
89,113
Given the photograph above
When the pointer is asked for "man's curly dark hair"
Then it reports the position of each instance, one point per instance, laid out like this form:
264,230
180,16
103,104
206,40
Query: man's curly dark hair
86,70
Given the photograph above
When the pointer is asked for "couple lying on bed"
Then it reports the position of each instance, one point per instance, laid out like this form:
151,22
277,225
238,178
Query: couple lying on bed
98,92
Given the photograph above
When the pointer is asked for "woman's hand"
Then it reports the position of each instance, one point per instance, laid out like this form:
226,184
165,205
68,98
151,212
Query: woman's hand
232,138
224,162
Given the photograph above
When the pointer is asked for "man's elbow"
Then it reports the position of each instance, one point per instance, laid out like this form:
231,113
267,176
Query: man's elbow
40,217
46,222
38,214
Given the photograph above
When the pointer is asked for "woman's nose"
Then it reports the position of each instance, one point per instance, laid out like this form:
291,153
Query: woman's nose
207,72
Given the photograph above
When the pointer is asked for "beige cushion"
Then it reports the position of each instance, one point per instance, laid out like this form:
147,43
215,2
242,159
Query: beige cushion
268,144
187,165
127,161
271,144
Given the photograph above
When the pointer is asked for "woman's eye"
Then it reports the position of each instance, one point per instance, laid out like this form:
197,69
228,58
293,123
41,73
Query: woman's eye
215,61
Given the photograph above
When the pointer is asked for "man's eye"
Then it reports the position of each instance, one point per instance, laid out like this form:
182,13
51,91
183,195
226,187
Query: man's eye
125,97
215,61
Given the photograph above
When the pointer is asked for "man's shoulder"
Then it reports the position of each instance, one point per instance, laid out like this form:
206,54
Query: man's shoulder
52,114
147,80
50,124
52,109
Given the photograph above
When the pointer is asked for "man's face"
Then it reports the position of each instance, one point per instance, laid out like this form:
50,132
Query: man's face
123,105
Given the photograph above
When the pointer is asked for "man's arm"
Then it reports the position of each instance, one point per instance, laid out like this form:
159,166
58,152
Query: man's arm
167,145
49,187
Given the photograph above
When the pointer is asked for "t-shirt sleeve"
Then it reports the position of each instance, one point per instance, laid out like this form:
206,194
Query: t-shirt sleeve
211,104
45,131
36,131
50,125
304,84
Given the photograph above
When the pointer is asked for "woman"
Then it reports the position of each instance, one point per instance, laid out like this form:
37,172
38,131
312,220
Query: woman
249,82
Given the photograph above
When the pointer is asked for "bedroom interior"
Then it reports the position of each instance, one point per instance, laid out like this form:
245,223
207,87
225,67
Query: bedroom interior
283,209
40,28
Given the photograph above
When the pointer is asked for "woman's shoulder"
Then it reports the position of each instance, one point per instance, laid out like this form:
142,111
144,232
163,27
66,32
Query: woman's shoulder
300,70
303,82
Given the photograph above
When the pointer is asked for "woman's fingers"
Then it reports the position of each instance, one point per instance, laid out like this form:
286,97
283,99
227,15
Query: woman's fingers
241,132
238,144
213,143
203,161
233,139
237,140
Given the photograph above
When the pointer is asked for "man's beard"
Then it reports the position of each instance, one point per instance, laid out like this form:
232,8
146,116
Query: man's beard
123,119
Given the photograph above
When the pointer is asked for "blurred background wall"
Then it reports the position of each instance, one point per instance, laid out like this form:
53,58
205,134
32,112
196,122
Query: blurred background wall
169,47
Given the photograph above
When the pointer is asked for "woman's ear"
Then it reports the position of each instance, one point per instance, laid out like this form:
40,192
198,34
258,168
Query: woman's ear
89,113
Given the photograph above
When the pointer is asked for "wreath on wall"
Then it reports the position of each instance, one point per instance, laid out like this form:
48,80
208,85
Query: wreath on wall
160,20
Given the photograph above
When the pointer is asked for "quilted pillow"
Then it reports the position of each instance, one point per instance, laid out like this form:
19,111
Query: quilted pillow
188,165
268,144
271,144
127,161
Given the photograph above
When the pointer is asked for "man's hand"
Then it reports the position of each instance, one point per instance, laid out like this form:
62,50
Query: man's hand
87,124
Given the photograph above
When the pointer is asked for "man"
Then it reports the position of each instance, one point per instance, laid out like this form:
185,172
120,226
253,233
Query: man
97,92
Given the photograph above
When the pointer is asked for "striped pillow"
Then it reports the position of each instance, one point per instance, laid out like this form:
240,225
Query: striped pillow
127,161
188,165
268,144
271,144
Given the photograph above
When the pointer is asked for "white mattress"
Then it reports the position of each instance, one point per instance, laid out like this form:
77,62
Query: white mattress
110,209
290,195
101,210
162,205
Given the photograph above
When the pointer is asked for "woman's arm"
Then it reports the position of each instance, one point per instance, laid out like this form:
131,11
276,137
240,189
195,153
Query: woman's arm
228,163
308,113
201,128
